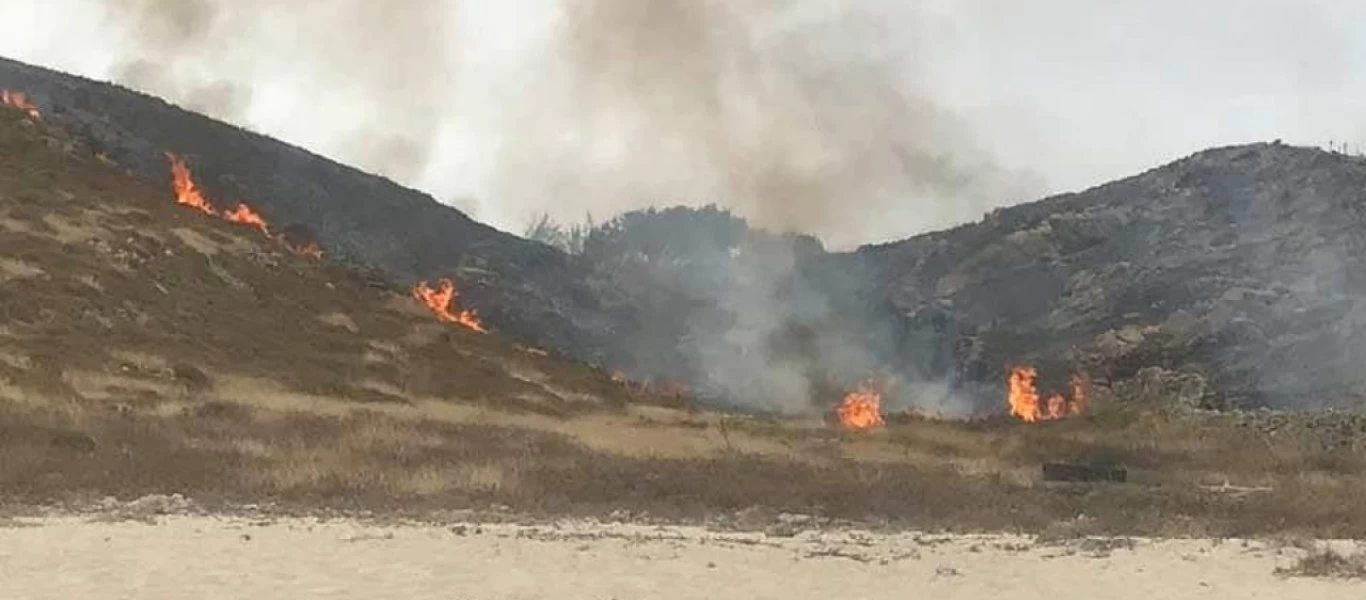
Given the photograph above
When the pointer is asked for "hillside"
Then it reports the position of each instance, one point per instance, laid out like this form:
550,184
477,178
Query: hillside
120,303
1236,265
150,348
1225,279
525,290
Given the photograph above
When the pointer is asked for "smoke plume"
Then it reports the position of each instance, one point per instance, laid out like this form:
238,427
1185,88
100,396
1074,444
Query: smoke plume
801,115
390,59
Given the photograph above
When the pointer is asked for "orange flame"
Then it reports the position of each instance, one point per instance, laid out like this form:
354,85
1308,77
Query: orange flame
20,101
439,301
861,409
188,194
245,215
1025,403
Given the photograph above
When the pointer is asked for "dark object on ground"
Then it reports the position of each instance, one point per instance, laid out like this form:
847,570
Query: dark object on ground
1084,473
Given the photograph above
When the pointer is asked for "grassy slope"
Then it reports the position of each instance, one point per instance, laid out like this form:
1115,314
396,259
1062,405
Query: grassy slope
146,348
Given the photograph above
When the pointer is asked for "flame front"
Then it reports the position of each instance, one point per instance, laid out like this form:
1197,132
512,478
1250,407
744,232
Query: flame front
439,300
861,409
187,193
1026,404
20,101
245,215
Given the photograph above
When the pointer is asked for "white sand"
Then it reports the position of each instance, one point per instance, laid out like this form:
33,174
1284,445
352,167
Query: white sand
212,557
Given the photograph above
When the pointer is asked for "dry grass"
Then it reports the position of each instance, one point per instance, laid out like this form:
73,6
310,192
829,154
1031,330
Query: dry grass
312,451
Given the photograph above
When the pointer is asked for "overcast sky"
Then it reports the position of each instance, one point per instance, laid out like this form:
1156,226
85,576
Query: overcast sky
856,120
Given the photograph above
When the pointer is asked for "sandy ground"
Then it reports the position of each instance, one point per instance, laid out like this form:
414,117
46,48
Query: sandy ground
233,557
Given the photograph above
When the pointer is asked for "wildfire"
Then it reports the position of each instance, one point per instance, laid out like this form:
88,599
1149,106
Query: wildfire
245,215
187,193
1026,404
439,300
20,101
861,409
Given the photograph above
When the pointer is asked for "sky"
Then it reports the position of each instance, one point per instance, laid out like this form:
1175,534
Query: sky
856,120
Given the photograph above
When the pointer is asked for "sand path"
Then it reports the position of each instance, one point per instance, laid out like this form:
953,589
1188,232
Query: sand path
221,557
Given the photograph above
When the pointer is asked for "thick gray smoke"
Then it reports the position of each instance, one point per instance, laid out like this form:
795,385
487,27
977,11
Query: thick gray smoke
763,321
896,112
210,55
801,115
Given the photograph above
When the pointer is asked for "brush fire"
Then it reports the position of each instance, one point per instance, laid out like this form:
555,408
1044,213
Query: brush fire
187,193
440,300
1028,405
861,409
20,101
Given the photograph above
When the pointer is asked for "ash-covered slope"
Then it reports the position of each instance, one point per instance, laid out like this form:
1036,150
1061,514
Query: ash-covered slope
1242,264
525,290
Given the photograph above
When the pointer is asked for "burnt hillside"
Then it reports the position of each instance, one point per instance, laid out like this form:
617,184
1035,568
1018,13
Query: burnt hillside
1235,269
526,290
1241,264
